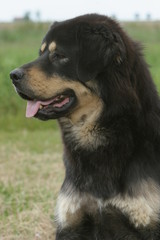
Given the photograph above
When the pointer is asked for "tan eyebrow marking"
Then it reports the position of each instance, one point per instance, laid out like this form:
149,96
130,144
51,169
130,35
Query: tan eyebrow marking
43,46
52,46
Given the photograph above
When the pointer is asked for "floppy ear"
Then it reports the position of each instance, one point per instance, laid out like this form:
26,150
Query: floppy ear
98,47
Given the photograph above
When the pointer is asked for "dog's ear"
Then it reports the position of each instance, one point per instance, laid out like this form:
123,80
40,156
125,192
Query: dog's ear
98,47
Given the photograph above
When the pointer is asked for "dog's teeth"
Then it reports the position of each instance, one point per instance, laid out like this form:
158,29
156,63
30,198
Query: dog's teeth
40,107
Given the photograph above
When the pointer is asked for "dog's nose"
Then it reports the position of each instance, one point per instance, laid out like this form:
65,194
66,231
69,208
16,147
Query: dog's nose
16,74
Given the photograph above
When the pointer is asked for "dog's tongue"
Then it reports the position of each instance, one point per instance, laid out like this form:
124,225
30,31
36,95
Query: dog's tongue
33,106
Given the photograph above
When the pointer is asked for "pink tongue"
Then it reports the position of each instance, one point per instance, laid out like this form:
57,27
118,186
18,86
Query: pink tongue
33,106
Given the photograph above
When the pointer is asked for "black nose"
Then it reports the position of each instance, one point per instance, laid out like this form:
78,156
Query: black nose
16,74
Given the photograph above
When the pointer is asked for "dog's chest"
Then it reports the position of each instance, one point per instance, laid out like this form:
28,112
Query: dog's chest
141,211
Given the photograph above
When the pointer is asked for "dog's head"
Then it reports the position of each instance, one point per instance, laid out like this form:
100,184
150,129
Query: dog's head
78,60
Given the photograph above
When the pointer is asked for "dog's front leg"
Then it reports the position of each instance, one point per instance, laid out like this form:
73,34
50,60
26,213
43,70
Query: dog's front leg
70,209
84,230
70,212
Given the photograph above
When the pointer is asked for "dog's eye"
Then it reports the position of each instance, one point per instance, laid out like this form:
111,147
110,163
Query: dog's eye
56,57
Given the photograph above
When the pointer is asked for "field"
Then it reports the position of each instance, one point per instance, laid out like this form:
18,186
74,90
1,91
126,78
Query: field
31,169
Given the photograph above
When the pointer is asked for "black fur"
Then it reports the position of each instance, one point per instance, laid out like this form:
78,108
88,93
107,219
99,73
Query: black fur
101,52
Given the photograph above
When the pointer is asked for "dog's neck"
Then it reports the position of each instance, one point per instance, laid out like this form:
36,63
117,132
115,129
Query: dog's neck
81,128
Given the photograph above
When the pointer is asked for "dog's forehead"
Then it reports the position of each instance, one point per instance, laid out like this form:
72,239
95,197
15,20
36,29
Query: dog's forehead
62,32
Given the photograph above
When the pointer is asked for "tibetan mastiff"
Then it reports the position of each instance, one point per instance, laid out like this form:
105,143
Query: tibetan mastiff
92,77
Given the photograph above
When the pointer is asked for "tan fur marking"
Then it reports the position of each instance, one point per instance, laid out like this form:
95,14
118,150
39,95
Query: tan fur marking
43,46
72,206
87,131
82,122
52,46
69,209
49,87
138,210
142,210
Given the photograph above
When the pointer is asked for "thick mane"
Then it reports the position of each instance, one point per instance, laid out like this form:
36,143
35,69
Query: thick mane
114,158
131,116
130,88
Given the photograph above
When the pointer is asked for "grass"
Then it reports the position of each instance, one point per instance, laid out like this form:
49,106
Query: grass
31,172
31,169
148,33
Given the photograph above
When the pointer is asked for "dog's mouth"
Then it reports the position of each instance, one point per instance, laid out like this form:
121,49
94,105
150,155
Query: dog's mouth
53,108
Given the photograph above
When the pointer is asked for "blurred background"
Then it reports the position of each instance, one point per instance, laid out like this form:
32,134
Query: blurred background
50,10
31,169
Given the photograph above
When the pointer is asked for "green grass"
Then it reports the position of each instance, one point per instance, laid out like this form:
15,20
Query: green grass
31,168
149,36
31,173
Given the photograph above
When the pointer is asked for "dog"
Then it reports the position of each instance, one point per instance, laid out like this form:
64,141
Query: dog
92,77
